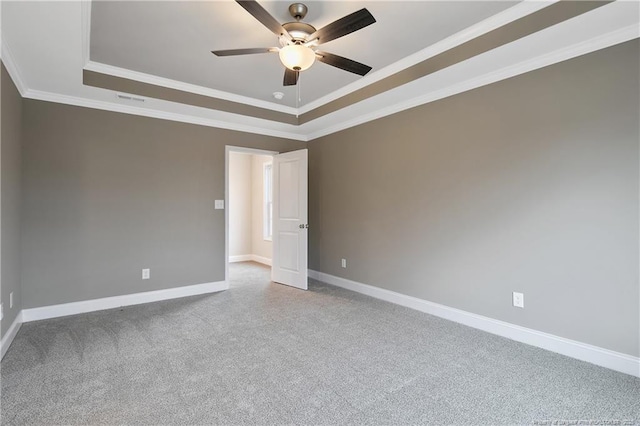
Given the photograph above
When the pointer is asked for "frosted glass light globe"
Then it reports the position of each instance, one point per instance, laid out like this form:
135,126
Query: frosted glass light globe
297,57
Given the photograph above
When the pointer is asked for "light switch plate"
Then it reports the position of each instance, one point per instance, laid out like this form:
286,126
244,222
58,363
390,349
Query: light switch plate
219,204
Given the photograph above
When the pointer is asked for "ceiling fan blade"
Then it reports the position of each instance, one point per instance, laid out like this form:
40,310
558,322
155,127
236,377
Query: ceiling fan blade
234,52
343,26
290,77
343,63
258,12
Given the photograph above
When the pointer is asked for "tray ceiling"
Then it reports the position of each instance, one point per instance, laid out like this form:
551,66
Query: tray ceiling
174,40
89,53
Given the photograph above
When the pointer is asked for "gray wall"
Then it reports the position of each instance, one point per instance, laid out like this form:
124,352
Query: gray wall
529,184
11,141
107,194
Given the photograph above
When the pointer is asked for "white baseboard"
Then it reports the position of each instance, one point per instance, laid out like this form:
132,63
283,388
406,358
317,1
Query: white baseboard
73,308
240,258
585,352
260,259
10,334
250,257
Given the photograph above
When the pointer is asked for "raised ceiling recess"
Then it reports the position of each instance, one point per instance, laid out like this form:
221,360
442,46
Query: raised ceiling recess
174,40
86,53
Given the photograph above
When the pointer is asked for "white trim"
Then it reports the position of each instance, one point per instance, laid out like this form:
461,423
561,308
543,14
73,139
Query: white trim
153,113
585,352
240,258
597,43
260,259
250,258
12,67
73,308
585,47
10,335
185,87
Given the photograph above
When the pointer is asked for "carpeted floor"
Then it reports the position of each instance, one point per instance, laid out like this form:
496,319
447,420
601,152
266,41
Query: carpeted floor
263,353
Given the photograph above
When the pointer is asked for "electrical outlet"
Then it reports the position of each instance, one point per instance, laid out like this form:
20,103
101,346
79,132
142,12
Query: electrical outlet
146,274
344,263
518,300
219,204
10,300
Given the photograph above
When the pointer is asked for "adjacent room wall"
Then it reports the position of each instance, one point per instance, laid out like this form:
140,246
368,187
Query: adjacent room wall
246,215
260,246
107,194
11,155
240,204
530,184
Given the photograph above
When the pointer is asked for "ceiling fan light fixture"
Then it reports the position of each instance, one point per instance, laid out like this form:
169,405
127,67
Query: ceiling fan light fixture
299,40
297,57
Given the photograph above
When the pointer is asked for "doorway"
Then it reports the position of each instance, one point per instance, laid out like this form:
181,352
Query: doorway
248,216
288,213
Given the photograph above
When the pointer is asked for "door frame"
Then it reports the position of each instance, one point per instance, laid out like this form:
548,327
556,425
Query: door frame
227,150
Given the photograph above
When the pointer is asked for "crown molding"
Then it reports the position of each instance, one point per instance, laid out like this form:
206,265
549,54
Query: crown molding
12,67
185,87
377,107
601,42
596,43
154,113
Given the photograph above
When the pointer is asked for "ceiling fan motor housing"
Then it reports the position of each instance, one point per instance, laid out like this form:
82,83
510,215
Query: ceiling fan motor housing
299,31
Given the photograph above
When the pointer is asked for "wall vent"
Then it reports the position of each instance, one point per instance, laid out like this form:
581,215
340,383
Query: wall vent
127,97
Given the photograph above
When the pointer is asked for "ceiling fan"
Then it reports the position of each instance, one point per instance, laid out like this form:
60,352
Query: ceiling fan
299,40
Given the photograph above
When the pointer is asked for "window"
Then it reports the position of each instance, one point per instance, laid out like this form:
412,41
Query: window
268,202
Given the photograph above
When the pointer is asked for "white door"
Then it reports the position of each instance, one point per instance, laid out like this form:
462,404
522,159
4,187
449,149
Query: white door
290,228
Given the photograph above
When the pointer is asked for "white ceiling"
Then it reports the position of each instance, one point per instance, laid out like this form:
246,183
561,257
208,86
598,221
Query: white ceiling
174,40
45,47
